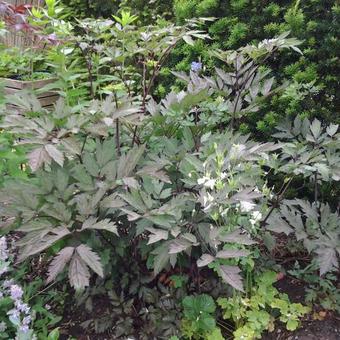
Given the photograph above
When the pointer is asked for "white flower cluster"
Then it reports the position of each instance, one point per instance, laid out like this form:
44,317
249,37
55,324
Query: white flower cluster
207,182
256,216
269,44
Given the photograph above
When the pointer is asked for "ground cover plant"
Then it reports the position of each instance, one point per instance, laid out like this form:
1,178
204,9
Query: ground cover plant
155,216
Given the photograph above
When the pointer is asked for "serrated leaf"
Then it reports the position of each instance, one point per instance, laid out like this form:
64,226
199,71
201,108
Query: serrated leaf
59,262
237,236
128,162
43,240
267,86
190,237
157,235
188,40
277,224
315,128
112,201
247,194
105,224
37,158
91,165
269,240
71,145
204,260
132,216
61,180
230,274
55,154
332,129
131,182
90,258
327,260
178,246
161,259
231,253
78,273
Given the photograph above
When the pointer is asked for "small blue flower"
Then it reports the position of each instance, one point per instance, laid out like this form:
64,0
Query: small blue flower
2,327
16,292
22,307
24,328
26,320
196,66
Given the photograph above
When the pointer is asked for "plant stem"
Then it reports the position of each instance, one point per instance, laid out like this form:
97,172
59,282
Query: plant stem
316,187
278,200
117,129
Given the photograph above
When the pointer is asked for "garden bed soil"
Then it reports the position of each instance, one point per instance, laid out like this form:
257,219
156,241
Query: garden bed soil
328,328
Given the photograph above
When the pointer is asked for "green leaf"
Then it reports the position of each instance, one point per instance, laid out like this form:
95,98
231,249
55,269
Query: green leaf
91,165
54,335
292,325
161,259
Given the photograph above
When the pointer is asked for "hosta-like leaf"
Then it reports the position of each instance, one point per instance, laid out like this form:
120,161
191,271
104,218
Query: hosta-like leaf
90,258
78,273
204,260
230,274
59,262
231,253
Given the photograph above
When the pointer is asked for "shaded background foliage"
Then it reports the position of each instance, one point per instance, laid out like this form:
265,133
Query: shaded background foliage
314,91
